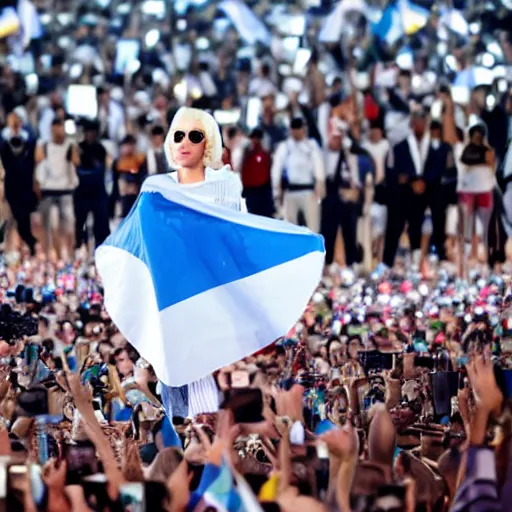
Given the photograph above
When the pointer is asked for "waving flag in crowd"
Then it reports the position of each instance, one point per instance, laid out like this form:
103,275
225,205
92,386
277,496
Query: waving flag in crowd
195,286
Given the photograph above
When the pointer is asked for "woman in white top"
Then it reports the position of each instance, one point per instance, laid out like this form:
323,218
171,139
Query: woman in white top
194,148
475,185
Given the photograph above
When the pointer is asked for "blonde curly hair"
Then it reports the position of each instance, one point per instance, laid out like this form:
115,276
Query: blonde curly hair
213,149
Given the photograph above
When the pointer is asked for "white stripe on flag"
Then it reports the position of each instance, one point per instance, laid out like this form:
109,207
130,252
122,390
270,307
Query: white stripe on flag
237,319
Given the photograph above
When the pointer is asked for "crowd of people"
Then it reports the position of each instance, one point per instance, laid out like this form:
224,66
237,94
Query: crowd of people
390,393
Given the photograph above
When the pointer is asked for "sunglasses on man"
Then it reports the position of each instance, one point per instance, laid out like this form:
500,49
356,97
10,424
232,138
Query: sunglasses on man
194,136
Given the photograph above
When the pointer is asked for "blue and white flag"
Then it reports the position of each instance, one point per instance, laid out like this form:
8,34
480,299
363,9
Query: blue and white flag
389,29
250,28
196,286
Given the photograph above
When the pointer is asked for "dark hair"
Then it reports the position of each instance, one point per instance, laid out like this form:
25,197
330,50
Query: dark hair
129,139
57,122
436,125
157,130
15,326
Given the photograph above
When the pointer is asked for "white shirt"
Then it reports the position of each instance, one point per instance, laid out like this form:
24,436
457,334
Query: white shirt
221,186
378,151
302,160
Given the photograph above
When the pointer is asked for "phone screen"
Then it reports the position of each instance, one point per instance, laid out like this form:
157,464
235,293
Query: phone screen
132,497
246,404
81,461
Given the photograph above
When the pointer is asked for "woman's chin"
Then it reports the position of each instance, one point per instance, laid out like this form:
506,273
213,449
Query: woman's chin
187,163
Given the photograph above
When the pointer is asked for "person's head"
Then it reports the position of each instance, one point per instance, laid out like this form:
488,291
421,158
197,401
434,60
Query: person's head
60,113
436,130
256,136
123,362
265,70
298,129
165,464
15,123
268,103
479,96
58,131
157,137
105,349
376,133
477,134
418,124
56,100
103,95
336,352
193,140
353,346
337,85
91,131
128,145
404,79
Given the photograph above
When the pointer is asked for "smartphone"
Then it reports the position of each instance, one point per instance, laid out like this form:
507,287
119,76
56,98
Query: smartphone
37,486
132,497
16,482
95,491
246,405
81,461
82,101
240,379
424,362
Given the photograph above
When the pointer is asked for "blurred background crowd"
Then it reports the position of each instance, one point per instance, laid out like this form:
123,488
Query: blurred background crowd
382,125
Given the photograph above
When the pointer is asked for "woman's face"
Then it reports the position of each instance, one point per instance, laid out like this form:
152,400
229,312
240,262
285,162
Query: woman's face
477,137
353,348
185,152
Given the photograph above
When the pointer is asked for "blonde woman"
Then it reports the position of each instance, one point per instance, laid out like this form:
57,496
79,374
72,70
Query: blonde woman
193,148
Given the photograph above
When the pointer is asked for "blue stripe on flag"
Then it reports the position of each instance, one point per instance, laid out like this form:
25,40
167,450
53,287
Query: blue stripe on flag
189,252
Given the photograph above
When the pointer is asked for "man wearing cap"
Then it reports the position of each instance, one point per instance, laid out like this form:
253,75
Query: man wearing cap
298,174
90,195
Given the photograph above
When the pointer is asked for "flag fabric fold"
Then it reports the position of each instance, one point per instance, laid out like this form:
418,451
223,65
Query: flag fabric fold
194,286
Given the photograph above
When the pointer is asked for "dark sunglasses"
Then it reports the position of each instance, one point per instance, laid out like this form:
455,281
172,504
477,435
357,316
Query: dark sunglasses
194,136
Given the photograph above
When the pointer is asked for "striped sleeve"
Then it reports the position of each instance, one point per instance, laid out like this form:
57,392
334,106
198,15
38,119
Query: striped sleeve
478,491
203,396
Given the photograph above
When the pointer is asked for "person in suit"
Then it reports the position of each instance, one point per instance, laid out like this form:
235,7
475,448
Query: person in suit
406,189
438,172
